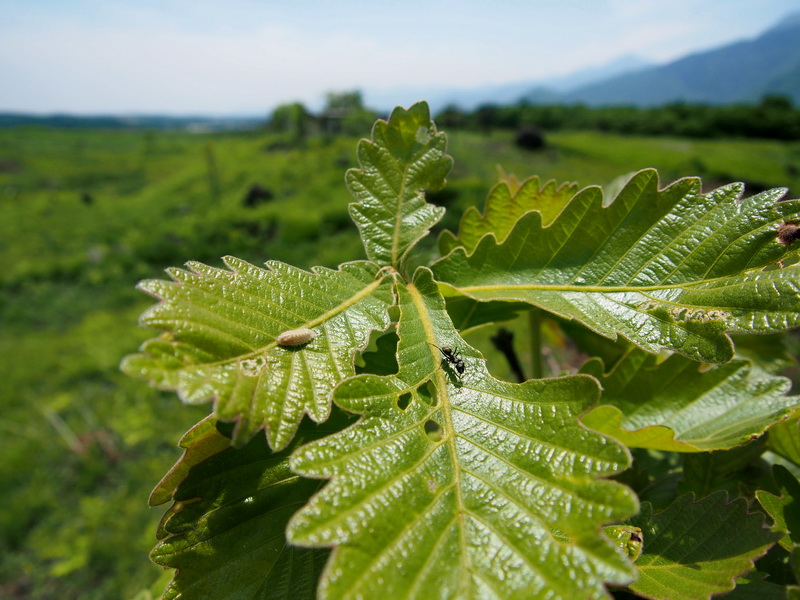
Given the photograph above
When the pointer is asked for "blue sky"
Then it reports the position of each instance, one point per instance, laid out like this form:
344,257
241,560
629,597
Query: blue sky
247,56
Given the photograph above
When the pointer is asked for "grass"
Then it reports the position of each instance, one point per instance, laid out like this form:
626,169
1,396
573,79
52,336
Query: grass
86,214
595,158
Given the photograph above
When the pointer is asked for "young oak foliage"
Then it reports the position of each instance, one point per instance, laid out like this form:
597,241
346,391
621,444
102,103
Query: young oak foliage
405,156
668,269
784,439
456,484
696,549
503,501
224,533
783,509
677,405
220,339
506,203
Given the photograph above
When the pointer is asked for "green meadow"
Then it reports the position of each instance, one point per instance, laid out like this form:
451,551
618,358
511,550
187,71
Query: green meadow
86,214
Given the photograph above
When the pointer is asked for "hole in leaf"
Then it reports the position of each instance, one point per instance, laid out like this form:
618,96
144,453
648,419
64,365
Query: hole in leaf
433,430
403,401
427,393
380,358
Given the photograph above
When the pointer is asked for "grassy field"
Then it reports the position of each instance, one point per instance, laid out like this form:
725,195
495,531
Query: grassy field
87,214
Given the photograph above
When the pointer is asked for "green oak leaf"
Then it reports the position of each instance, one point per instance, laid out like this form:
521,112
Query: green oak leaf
458,485
405,156
679,405
695,549
708,472
784,439
784,509
199,443
506,203
220,342
667,269
754,586
768,352
225,532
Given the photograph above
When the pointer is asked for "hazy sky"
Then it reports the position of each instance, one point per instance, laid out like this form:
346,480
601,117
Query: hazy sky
246,56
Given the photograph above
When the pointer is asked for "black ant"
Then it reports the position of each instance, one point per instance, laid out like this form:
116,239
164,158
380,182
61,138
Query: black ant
452,357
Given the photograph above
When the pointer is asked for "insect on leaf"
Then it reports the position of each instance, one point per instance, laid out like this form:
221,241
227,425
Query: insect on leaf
222,330
457,485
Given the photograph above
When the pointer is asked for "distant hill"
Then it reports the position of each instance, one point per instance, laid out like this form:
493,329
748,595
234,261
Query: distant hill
741,72
541,91
196,124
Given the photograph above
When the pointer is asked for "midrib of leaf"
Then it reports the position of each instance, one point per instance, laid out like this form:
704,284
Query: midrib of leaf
725,279
451,433
344,515
319,321
457,475
449,429
633,267
456,485
479,459
396,165
398,218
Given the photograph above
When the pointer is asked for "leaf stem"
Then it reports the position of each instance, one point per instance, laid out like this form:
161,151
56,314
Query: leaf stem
535,326
503,340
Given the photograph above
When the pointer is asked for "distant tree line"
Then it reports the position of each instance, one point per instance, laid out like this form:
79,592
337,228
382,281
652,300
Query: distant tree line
344,114
774,117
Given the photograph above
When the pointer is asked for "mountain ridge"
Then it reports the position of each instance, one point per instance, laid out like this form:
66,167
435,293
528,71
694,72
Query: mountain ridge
739,72
742,71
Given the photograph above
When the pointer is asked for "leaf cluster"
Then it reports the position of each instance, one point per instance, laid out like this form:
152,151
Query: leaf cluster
419,474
